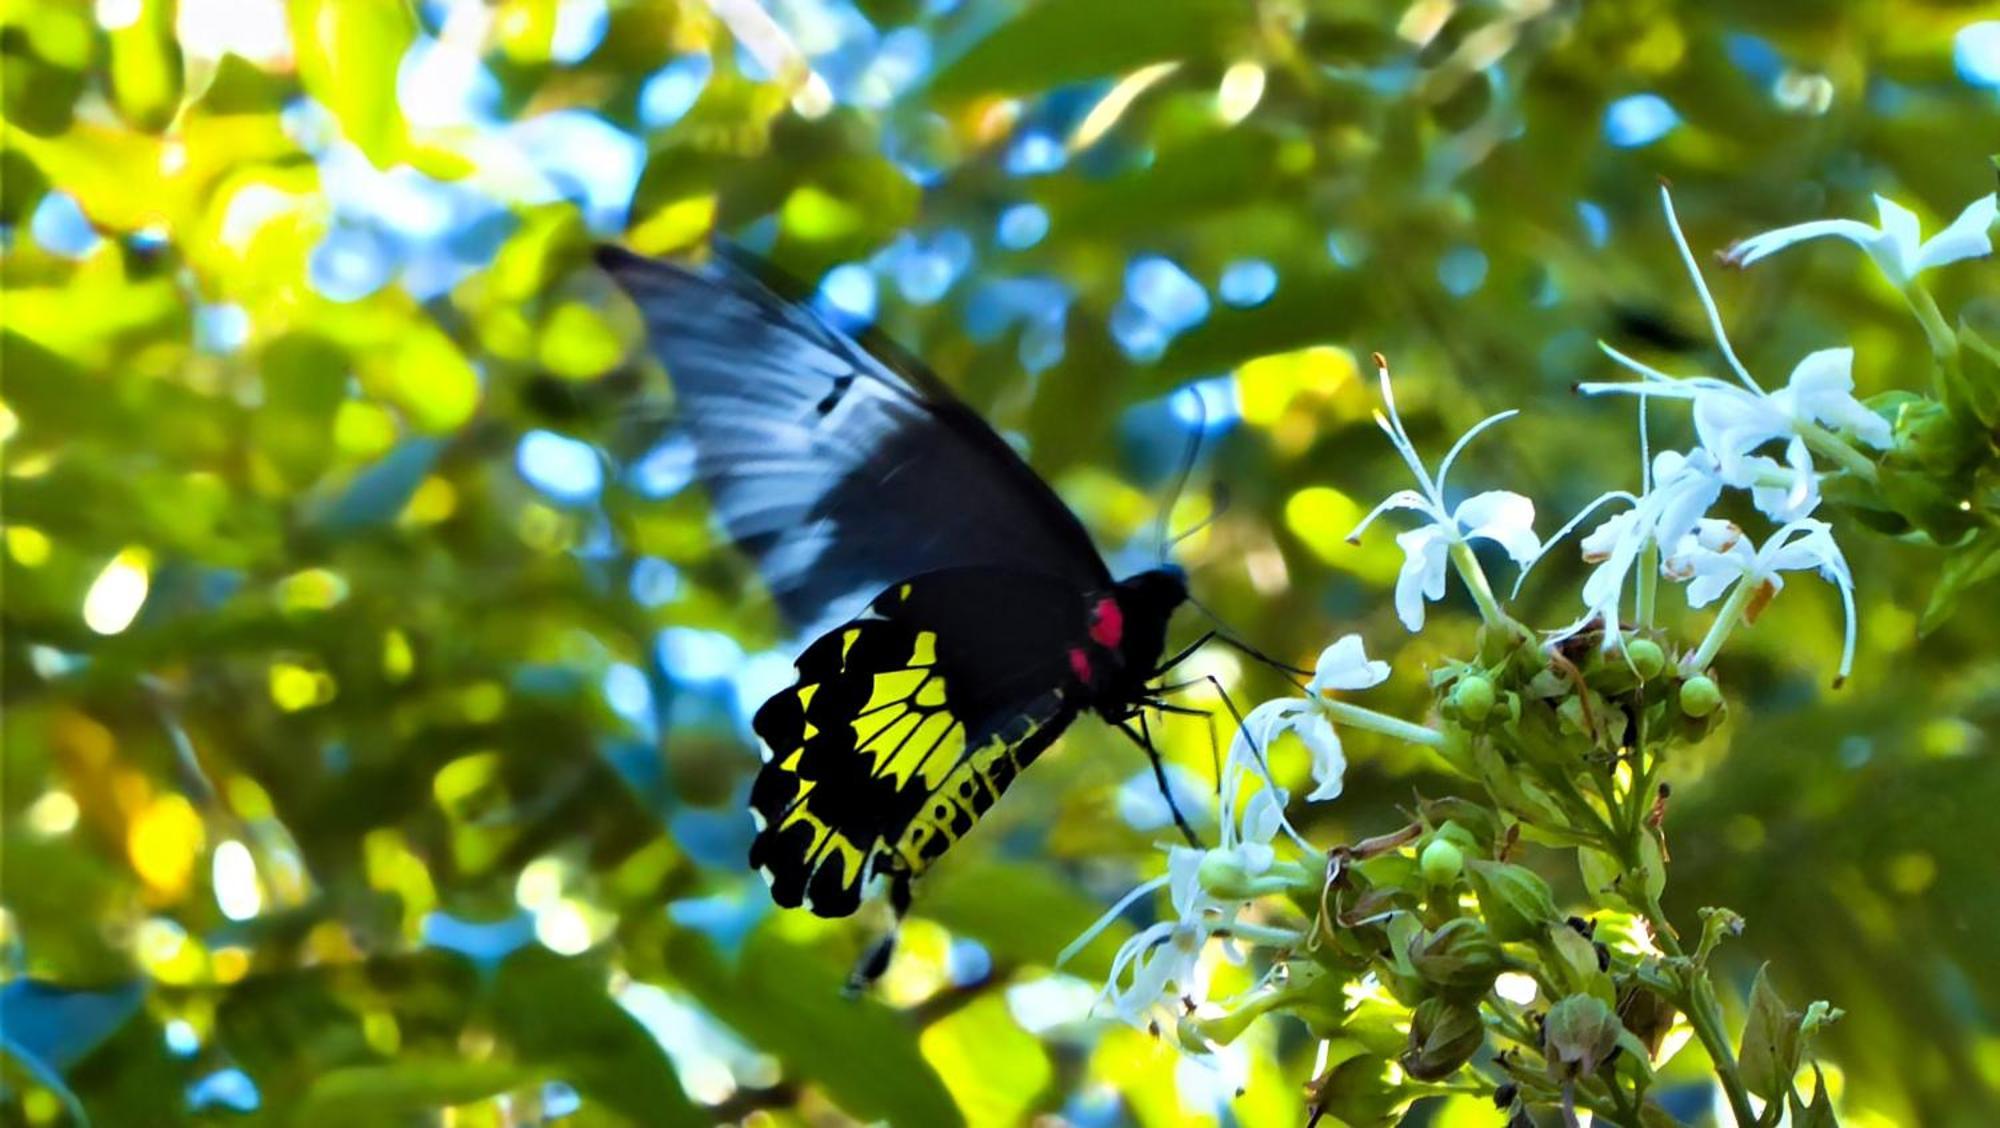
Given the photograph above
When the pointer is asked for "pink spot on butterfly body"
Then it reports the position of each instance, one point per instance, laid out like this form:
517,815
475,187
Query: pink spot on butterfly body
1079,664
1107,623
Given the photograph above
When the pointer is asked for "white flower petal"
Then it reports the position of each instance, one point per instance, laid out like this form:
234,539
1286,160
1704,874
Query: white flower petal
1822,390
1601,542
1329,762
1264,816
1255,857
1345,665
1684,487
1967,237
1823,376
1897,245
1184,881
1425,551
1504,517
1747,251
1707,585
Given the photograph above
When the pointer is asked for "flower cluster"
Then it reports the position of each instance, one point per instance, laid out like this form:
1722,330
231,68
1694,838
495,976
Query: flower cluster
1411,953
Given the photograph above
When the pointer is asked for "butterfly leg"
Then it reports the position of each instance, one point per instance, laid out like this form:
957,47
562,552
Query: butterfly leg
1263,769
1258,762
1143,737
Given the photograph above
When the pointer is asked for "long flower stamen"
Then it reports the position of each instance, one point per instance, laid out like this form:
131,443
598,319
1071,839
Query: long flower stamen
1707,300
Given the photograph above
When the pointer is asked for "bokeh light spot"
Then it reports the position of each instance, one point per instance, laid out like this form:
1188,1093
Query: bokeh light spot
1639,119
115,597
565,469
1975,51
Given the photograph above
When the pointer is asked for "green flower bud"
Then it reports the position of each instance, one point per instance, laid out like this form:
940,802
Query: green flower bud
1474,698
1699,696
1460,959
1222,874
1443,1036
1646,656
1515,901
1441,862
1579,1035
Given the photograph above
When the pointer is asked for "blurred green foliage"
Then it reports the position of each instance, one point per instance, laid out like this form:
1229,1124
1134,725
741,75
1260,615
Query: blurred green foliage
349,773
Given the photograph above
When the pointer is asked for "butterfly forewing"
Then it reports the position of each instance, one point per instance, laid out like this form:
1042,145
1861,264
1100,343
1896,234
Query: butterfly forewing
904,726
838,473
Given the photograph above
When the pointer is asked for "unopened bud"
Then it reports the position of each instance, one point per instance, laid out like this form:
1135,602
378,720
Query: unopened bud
1515,901
1579,1035
1474,698
1700,696
1646,656
1441,862
1460,959
1443,1036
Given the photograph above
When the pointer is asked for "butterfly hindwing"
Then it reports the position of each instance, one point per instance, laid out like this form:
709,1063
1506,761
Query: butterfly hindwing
839,471
904,727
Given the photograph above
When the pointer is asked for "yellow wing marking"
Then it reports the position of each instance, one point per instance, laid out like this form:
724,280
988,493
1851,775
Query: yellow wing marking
895,688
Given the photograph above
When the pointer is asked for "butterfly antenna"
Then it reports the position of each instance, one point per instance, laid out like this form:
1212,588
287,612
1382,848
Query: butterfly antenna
1218,504
1186,468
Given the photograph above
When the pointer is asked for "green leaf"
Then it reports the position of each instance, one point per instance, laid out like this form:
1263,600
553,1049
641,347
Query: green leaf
787,998
1023,914
375,1094
1058,42
1966,566
146,66
1769,1055
1818,1114
1357,1093
999,1073
558,1016
348,55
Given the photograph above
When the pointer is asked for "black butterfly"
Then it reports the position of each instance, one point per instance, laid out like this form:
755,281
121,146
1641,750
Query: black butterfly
975,618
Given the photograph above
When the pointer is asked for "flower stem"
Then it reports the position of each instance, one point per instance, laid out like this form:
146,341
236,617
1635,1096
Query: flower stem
1467,565
1649,581
1263,934
1839,450
1943,341
1383,723
1725,622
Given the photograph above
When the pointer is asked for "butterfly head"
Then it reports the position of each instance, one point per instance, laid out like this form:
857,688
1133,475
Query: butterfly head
1131,621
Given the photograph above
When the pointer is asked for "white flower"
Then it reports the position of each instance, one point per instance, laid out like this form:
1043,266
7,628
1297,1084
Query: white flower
1344,665
1161,963
1500,516
1163,959
1896,246
1160,966
1734,422
1680,490
1716,557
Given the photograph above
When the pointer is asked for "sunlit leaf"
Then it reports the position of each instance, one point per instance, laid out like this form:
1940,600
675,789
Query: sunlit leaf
348,55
